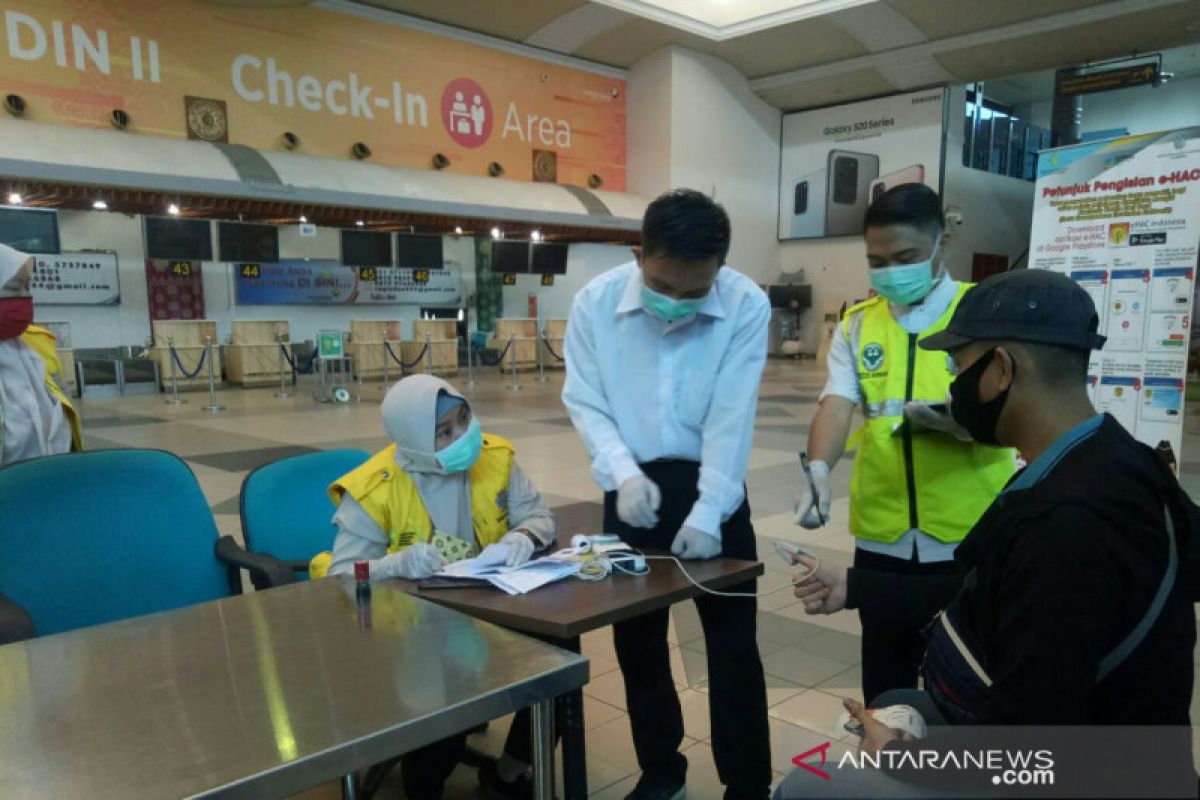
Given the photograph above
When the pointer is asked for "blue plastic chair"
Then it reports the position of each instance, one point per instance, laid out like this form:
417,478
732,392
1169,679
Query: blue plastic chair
285,505
94,537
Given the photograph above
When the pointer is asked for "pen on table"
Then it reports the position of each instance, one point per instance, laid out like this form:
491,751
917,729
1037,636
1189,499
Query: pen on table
812,486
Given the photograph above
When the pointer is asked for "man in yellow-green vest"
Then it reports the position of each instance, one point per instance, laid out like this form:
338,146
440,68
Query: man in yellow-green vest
919,483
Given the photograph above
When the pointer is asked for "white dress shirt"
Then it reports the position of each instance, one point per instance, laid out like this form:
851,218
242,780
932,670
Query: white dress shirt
843,382
640,389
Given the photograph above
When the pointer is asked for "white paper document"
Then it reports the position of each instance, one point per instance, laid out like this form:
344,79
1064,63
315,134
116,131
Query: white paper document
490,566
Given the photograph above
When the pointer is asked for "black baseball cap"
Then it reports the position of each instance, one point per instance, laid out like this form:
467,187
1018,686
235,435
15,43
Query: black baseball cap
1025,305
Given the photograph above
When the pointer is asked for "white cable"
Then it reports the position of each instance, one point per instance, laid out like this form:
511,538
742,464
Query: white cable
703,588
593,570
600,567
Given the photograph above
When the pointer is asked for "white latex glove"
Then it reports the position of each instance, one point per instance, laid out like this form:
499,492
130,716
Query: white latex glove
691,543
823,591
921,415
415,562
807,505
520,547
638,499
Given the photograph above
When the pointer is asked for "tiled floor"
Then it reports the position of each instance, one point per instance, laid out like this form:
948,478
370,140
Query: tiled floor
811,662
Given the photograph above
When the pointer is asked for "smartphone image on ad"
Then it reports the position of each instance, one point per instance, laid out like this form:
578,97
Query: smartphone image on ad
911,174
850,176
808,206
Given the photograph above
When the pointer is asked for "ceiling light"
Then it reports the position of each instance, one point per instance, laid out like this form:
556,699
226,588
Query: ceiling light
719,20
458,230
303,219
99,205
536,236
14,199
173,210
497,233
359,223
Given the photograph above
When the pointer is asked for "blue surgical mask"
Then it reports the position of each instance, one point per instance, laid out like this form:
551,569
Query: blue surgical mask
670,309
461,454
905,284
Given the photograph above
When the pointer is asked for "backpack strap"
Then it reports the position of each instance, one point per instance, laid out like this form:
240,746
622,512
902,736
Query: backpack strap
1123,650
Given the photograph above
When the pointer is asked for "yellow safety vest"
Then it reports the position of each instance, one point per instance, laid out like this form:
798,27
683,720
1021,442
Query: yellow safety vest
904,479
41,341
390,497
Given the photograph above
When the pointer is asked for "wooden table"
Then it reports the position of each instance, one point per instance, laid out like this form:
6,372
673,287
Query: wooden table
261,695
561,612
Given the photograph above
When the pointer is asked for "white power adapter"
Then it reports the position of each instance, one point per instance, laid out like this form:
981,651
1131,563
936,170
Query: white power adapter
629,563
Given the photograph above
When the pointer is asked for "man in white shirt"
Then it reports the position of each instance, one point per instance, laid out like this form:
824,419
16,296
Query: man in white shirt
919,482
664,358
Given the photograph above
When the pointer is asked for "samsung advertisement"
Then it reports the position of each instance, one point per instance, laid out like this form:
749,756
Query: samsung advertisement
834,161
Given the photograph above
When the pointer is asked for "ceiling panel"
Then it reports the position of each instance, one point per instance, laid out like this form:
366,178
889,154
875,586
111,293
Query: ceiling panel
1143,32
626,44
516,21
943,18
829,91
789,47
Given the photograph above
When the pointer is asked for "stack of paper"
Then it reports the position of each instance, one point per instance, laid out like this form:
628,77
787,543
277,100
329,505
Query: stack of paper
490,566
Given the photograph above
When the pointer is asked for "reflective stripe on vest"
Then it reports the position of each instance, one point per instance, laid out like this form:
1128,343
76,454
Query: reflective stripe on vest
904,480
892,407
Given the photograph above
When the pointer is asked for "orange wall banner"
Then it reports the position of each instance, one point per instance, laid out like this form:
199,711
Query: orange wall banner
187,68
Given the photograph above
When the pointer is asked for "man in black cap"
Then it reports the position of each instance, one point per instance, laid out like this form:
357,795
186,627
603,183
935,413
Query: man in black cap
1073,602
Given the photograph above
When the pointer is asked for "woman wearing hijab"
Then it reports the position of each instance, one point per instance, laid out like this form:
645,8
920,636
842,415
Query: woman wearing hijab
441,491
36,418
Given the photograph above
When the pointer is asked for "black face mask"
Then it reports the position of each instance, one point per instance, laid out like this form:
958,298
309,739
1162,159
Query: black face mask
977,417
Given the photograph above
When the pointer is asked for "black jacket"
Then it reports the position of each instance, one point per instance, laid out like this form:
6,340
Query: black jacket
1065,569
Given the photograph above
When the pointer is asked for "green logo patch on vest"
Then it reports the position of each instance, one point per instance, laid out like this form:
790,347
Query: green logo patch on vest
872,357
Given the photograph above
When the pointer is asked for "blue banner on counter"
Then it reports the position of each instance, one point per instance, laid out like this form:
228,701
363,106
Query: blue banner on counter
327,282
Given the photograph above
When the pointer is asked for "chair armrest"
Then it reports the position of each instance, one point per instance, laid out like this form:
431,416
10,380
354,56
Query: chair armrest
265,571
15,623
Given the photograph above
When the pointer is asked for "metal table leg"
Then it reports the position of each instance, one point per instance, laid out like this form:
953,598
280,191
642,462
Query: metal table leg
350,787
574,755
543,750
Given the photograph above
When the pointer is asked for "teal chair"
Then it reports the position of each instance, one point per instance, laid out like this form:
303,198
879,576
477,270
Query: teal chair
94,537
285,506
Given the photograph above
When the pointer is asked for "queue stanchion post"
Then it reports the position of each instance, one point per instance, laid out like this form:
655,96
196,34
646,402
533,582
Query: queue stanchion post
470,359
386,357
428,354
212,406
175,400
514,386
283,392
541,359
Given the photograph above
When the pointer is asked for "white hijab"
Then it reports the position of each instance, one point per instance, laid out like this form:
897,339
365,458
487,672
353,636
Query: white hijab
410,419
34,424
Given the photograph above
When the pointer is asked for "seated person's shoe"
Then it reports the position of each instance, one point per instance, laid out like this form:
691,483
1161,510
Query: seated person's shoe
494,786
658,786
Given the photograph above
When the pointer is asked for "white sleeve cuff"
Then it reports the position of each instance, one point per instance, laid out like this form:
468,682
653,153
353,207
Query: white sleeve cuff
705,519
622,468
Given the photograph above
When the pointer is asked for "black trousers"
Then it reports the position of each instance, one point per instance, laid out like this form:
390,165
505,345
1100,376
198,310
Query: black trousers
737,690
424,771
891,652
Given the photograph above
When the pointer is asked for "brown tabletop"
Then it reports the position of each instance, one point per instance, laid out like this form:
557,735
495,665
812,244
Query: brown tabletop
571,607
